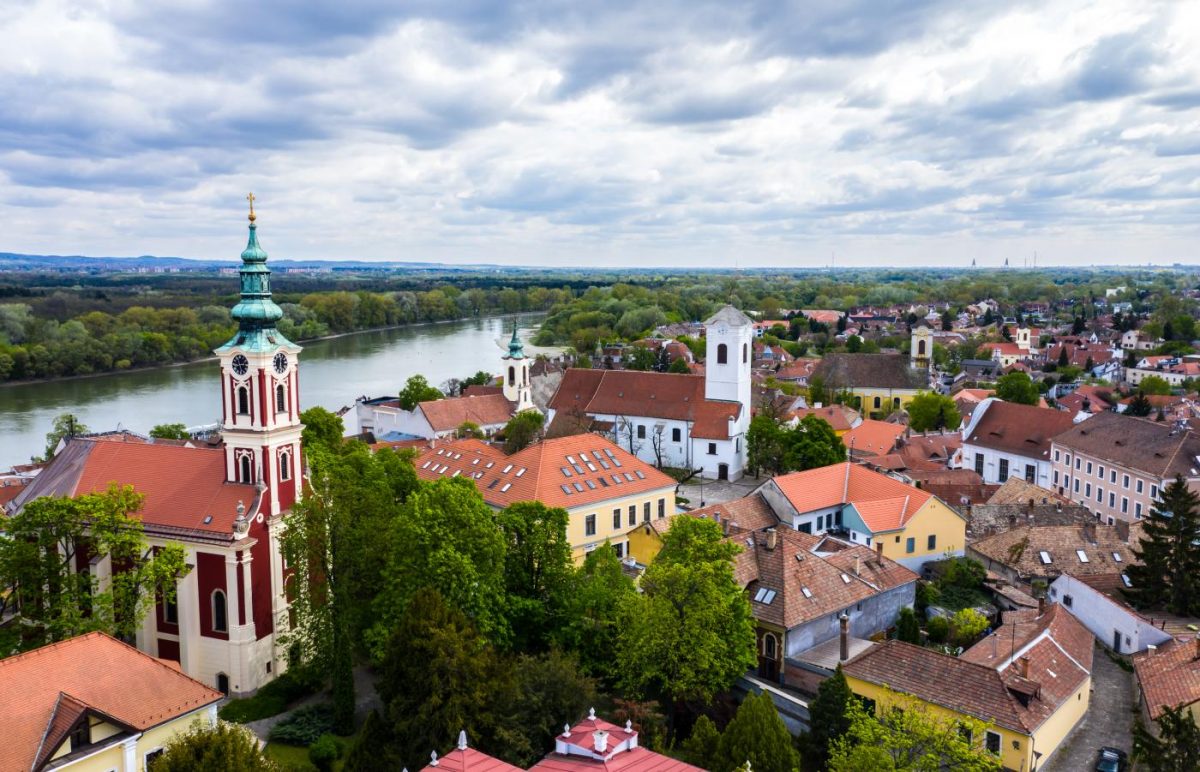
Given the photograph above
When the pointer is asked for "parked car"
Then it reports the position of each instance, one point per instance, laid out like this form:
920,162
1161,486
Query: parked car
1112,760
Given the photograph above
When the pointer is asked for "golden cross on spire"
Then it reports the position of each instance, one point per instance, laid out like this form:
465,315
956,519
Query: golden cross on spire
250,198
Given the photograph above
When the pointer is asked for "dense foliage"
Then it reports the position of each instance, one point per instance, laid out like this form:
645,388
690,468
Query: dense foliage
1167,572
776,449
220,748
1174,746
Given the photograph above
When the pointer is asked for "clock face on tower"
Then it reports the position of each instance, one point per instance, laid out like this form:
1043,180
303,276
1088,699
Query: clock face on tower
281,362
240,364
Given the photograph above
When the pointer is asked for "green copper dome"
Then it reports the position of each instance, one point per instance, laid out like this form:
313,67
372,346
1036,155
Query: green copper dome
515,349
256,313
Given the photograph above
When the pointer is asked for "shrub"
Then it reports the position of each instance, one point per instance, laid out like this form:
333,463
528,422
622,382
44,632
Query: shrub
272,699
938,629
324,752
305,726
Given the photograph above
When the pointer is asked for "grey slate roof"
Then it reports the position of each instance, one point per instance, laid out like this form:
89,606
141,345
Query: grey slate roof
884,371
1158,449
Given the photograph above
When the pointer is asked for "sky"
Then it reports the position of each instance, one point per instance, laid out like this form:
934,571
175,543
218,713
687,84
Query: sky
575,133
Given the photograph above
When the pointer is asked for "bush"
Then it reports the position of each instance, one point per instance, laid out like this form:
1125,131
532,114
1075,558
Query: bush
938,629
272,699
305,726
324,752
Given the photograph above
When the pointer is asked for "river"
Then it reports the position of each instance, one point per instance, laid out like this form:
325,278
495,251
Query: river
333,373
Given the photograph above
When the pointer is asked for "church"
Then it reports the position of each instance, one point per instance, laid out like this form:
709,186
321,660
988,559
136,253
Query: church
696,422
223,502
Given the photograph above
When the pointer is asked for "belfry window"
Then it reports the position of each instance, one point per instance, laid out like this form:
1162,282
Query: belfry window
280,399
745,353
512,376
243,400
285,466
722,354
244,469
220,612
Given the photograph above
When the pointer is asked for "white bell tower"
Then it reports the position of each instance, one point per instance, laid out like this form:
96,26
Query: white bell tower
517,388
728,349
921,349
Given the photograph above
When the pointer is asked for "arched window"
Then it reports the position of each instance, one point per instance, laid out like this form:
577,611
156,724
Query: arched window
243,400
220,613
920,348
285,466
722,354
512,376
745,353
223,684
769,646
280,399
244,469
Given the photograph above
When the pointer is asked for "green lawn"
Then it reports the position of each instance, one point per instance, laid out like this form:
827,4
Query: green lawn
293,757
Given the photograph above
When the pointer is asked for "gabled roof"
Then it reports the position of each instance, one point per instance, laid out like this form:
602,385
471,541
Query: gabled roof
1025,549
750,513
873,437
1170,676
590,467
47,690
183,486
883,503
1157,449
841,418
884,371
1023,430
576,751
448,414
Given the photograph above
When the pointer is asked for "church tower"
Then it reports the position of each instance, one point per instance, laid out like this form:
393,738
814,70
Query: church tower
260,390
921,350
516,375
728,344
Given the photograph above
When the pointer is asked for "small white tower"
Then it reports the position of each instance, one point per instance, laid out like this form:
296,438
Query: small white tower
921,350
1022,339
516,375
728,340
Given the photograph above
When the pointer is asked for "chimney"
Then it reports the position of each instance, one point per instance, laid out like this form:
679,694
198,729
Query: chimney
772,538
1150,649
600,741
857,565
844,651
879,550
1023,667
1041,604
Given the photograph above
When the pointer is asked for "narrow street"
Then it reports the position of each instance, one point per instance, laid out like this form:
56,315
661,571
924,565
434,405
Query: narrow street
1109,720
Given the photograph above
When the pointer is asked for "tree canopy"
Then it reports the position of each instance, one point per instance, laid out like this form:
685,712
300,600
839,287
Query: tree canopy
1173,747
522,430
65,426
220,748
930,411
1017,387
1167,572
417,389
777,449
757,735
176,431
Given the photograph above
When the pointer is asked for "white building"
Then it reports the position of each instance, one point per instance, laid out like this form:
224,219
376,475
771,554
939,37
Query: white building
1114,624
1005,439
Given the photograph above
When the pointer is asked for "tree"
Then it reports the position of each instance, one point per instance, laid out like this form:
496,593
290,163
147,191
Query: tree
765,443
537,570
444,538
416,390
43,599
546,690
65,426
480,378
679,365
1017,387
1063,358
1175,747
321,427
600,589
170,432
908,629
1139,406
829,717
813,443
1167,572
469,429
758,735
700,748
690,633
947,321
967,625
1154,384
903,735
219,748
930,410
522,430
639,357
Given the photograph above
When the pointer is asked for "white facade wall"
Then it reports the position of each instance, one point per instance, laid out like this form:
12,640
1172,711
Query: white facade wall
1016,465
687,452
1110,490
1115,626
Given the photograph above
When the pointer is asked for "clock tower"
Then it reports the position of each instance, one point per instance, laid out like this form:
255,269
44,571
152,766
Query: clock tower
260,390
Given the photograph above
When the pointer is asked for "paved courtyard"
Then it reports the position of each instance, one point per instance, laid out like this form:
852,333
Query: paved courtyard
1109,720
717,491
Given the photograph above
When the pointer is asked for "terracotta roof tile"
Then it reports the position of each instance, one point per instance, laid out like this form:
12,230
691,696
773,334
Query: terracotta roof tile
1025,430
885,504
887,371
874,437
446,415
1021,549
45,687
1169,677
1147,446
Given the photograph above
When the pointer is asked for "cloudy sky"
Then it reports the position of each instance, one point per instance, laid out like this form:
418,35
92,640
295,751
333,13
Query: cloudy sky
570,132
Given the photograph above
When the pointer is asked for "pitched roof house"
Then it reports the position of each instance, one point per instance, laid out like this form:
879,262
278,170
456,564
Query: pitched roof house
1169,677
1005,439
94,699
1026,552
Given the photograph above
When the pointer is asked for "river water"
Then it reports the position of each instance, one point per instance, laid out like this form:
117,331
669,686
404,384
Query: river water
333,372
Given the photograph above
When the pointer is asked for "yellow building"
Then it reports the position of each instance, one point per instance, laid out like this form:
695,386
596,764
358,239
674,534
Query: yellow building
909,525
607,492
1029,682
878,383
94,703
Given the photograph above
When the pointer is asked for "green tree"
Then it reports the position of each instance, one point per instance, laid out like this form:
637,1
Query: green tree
967,625
522,430
1167,572
766,440
1139,406
690,633
65,426
679,365
1175,747
811,444
538,570
480,378
600,589
170,432
220,748
930,410
469,430
1017,387
444,538
547,690
904,736
700,748
758,735
908,629
321,427
44,599
947,321
829,717
416,390
1154,384
639,358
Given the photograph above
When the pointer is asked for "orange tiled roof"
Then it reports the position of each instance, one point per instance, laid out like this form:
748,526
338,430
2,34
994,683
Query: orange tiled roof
47,688
618,757
1169,677
885,504
448,414
874,437
750,513
182,485
839,417
568,472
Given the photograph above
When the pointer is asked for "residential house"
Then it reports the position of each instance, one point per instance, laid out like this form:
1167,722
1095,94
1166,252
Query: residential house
1116,465
1027,552
1168,676
930,452
841,418
1133,340
874,438
797,371
1171,369
606,491
685,421
1114,624
1029,682
94,703
869,508
1005,439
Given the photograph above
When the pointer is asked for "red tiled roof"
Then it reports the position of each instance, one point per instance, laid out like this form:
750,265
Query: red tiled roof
182,485
839,417
1169,677
874,437
469,760
750,513
885,504
45,689
1024,430
476,390
619,756
599,471
448,414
